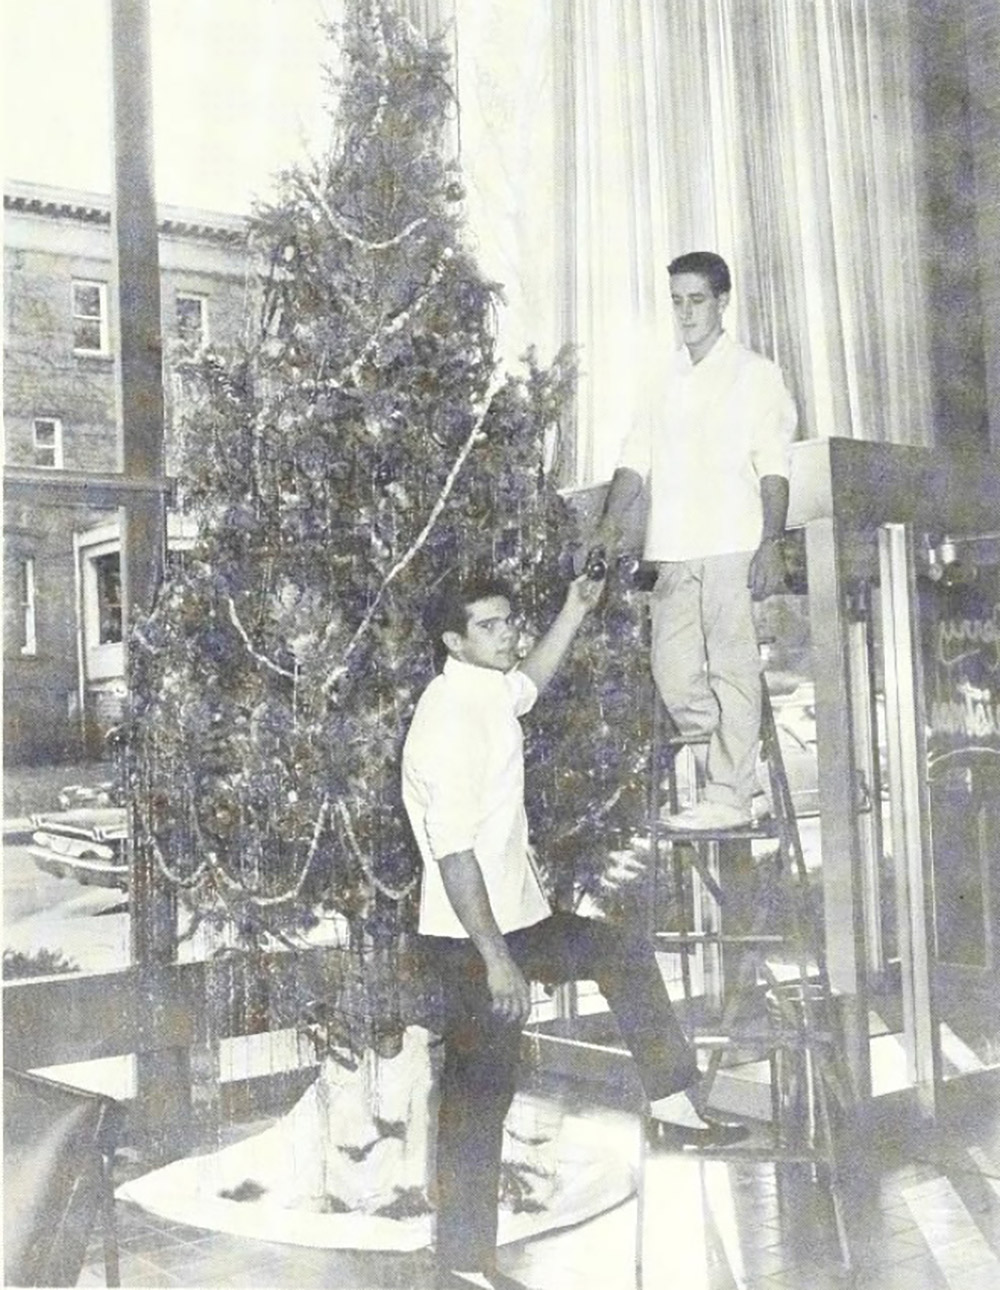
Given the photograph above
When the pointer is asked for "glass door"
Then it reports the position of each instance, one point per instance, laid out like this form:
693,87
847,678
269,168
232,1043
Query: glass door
937,655
959,617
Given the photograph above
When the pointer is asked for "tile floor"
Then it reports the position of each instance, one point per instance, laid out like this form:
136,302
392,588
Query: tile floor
922,1209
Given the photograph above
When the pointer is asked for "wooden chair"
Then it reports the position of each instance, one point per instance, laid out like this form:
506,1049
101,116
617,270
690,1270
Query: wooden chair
59,1145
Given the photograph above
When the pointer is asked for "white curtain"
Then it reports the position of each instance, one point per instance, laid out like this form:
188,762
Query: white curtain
778,132
619,173
600,138
507,139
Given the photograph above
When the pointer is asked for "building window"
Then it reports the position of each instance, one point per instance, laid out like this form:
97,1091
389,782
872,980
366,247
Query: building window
90,317
108,570
47,442
29,644
192,320
177,562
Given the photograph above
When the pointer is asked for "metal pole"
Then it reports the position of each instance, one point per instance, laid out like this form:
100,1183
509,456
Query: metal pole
843,901
161,1084
909,812
566,214
865,747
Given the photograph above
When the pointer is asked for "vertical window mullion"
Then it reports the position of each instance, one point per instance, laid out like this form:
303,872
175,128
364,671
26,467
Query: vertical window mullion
29,643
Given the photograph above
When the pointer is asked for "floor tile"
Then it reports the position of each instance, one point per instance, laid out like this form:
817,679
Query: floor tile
138,1271
974,1279
710,1226
149,1242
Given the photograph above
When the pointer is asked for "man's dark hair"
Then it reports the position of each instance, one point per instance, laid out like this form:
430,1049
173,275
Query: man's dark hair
448,610
708,265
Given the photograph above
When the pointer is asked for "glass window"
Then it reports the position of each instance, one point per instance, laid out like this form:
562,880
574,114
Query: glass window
109,598
90,317
192,320
29,644
47,442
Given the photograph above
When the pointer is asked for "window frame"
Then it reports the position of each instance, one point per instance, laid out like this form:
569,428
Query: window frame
28,595
101,318
56,447
102,661
187,343
103,562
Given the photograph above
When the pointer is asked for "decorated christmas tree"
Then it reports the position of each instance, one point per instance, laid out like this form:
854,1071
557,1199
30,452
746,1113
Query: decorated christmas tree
360,447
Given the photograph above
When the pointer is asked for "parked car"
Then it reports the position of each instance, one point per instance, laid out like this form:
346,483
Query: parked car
83,842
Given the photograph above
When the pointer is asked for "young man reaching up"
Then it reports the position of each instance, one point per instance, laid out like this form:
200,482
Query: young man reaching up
489,926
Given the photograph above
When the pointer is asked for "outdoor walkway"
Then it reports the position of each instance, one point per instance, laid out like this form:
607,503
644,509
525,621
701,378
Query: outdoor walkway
924,1216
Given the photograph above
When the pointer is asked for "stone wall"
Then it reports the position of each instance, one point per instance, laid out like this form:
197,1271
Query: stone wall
50,240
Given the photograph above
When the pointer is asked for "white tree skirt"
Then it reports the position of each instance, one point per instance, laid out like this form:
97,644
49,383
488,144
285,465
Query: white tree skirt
333,1143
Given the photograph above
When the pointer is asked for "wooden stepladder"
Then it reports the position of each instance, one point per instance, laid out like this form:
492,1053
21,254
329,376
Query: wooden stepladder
753,967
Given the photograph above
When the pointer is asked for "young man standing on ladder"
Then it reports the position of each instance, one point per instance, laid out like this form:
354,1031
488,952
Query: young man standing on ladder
712,440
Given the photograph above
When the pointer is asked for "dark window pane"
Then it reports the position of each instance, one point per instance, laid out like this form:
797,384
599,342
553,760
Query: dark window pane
87,300
109,598
188,310
87,335
191,319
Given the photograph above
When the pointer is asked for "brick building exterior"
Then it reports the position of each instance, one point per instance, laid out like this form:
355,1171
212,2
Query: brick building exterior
63,660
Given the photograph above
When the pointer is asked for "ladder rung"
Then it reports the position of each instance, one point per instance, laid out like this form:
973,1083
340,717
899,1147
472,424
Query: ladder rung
778,1037
721,938
763,1153
686,741
758,829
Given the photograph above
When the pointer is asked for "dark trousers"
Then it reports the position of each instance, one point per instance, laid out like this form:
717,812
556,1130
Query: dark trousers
481,1055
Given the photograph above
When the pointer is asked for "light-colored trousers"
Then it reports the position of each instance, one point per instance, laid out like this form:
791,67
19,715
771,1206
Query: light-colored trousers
706,666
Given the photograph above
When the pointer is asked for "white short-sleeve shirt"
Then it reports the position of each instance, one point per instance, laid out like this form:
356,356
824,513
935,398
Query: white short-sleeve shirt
463,788
703,434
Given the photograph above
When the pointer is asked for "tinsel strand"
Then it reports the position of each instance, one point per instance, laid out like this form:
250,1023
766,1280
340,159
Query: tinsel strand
189,881
343,231
473,437
233,884
261,658
395,324
592,818
394,893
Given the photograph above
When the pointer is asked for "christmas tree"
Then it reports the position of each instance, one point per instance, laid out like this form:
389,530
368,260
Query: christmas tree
361,446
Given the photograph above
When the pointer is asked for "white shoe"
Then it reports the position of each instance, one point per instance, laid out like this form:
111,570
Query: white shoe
707,817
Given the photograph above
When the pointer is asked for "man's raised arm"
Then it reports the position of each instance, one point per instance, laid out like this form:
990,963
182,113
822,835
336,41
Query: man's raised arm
543,661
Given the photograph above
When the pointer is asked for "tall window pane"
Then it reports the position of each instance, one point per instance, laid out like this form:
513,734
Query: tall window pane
90,317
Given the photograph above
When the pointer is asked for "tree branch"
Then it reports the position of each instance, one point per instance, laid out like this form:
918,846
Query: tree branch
472,438
343,231
261,658
394,893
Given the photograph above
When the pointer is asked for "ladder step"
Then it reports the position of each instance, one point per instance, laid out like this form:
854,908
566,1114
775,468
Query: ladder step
767,828
683,939
776,1037
686,741
742,1151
